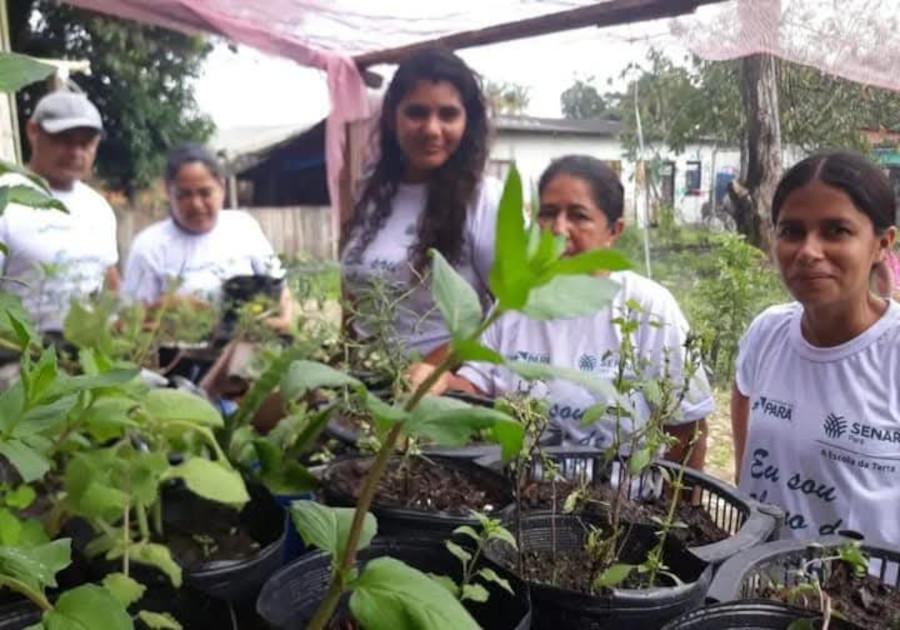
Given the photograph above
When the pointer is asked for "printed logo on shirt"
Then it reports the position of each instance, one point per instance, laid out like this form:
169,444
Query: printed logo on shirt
529,357
835,426
587,363
777,409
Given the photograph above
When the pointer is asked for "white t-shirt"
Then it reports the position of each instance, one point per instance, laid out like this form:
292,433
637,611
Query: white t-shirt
56,257
823,436
418,325
591,344
164,254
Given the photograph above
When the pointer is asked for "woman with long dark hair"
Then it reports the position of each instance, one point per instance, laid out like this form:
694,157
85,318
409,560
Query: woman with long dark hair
427,190
816,403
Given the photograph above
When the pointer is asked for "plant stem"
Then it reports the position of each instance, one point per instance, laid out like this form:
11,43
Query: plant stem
367,494
157,513
141,512
126,534
35,596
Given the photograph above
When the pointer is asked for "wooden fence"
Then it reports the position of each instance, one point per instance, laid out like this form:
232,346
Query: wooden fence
294,231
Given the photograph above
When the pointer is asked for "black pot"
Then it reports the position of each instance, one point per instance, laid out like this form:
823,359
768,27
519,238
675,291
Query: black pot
290,598
635,609
399,521
749,522
232,580
748,615
238,290
747,574
17,615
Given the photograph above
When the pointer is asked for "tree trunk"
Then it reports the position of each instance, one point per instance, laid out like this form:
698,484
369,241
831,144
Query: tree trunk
761,162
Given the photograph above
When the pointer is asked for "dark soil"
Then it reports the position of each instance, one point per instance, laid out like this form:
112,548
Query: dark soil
422,485
192,550
865,602
700,530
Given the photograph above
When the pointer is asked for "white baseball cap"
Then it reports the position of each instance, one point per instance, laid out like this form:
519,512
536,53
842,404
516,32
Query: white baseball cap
61,111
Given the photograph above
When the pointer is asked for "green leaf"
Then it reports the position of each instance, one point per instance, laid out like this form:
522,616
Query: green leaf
78,384
212,481
511,278
280,475
28,196
614,575
466,530
534,371
21,497
89,488
10,529
383,412
452,423
491,576
639,460
468,350
30,464
327,528
461,554
652,392
455,298
108,418
570,296
152,554
18,71
158,621
126,590
592,414
175,405
87,607
304,376
590,262
475,593
547,250
445,582
501,533
36,567
391,595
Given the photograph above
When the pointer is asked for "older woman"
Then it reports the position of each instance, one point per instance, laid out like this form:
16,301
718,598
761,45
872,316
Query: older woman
200,246
582,199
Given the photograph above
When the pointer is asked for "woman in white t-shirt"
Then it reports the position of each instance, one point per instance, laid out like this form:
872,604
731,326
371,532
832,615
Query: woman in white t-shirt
199,246
582,199
427,190
816,400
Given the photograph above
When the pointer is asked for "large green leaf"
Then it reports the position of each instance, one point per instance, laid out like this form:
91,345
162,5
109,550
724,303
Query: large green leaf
390,595
32,198
590,262
211,481
304,376
87,607
124,588
92,484
455,298
108,418
327,528
77,384
30,464
452,422
36,567
175,405
18,71
468,350
151,554
158,621
542,371
570,296
280,475
511,278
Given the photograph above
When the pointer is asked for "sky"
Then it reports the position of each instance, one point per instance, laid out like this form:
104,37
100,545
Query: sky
247,88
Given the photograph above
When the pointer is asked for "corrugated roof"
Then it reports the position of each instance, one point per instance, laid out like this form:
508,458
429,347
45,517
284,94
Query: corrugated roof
532,124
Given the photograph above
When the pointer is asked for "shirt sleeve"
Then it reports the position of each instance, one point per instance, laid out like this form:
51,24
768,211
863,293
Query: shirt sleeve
667,349
142,281
110,245
745,363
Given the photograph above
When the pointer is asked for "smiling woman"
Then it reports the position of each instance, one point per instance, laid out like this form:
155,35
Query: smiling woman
828,362
427,190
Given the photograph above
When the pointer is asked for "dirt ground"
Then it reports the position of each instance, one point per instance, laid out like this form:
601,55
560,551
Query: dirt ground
720,449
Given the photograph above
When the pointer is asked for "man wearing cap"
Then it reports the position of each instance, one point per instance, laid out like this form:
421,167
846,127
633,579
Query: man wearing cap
53,256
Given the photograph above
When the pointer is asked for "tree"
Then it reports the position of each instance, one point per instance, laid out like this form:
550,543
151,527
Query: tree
582,100
507,98
141,82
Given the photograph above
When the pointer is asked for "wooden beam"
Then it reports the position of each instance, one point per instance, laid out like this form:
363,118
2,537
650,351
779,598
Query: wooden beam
609,13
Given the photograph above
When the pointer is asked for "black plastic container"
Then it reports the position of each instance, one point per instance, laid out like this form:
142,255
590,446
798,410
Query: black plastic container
401,521
17,615
290,598
748,521
746,575
239,290
636,609
747,615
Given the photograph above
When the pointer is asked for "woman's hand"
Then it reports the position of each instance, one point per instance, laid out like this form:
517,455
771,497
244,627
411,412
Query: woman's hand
418,373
